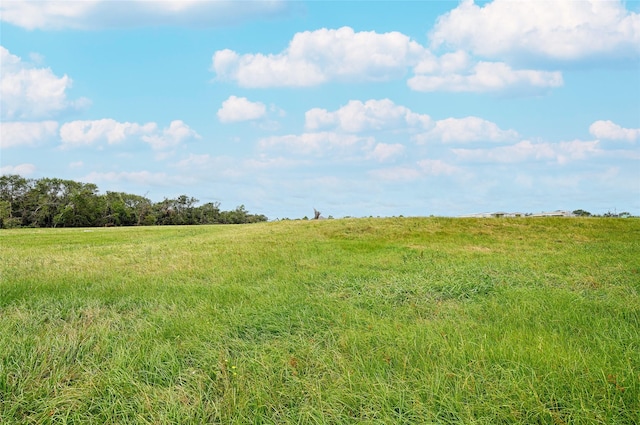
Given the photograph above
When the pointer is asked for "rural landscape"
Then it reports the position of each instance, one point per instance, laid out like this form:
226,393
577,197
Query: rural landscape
313,212
344,321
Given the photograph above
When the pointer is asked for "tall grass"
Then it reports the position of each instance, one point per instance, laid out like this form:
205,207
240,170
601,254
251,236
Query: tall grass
476,321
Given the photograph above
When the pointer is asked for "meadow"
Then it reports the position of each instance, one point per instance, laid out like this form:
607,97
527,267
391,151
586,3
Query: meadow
349,321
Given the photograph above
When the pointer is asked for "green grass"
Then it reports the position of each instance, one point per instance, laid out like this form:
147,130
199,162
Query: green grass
380,321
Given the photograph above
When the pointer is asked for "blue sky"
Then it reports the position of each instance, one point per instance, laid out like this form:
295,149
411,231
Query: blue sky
353,108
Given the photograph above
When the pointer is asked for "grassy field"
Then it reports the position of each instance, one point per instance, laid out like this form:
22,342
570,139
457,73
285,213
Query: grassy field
379,321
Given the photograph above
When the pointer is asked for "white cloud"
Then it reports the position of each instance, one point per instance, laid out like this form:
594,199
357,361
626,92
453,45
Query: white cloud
469,129
26,133
84,133
27,92
78,133
315,57
484,77
611,131
357,116
384,152
526,150
177,133
317,118
236,109
95,14
318,144
446,64
560,29
21,169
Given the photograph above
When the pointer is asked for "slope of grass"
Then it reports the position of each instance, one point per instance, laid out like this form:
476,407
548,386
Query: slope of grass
476,321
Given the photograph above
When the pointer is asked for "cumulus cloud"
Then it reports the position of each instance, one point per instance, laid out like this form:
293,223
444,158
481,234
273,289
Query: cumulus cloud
14,134
383,152
28,92
84,133
526,150
357,116
560,30
78,133
95,14
315,57
483,77
468,129
447,63
236,109
331,144
379,115
177,133
318,144
21,169
609,130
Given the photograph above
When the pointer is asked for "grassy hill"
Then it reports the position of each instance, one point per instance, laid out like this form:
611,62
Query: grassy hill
398,320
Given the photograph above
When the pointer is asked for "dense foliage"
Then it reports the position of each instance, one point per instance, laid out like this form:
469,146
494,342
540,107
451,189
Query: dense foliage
52,202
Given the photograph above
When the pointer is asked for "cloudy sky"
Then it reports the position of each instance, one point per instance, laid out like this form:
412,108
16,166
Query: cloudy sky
354,108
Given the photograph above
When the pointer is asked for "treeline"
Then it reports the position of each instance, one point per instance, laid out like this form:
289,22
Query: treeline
51,202
609,214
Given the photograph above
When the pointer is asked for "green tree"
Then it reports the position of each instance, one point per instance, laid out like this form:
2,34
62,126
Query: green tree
53,202
80,205
14,190
208,213
63,203
125,209
5,213
582,213
44,201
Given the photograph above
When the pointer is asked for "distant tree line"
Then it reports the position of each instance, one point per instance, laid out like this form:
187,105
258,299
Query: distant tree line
52,202
583,213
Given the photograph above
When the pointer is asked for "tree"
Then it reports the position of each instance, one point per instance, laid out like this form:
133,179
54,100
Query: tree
116,212
582,213
53,202
80,206
208,213
44,202
142,209
125,209
185,210
256,218
237,216
5,214
14,190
